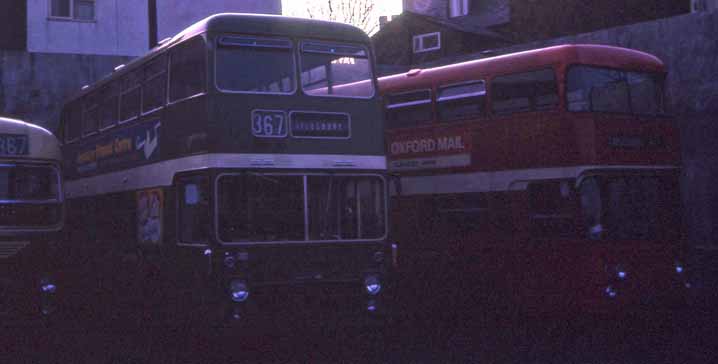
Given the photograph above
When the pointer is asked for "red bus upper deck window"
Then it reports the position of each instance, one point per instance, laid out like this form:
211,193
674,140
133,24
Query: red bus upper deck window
607,90
462,101
408,109
527,91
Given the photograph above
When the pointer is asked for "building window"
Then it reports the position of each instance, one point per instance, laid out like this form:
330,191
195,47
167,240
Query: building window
427,42
73,9
458,8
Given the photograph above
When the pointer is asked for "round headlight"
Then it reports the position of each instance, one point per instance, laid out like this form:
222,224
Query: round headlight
679,268
621,274
238,291
371,306
47,286
372,285
611,292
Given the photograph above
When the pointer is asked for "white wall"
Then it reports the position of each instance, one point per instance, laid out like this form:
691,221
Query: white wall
175,15
120,28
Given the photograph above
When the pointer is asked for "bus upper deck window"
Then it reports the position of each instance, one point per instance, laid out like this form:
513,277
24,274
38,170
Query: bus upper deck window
130,98
527,91
336,70
188,69
408,109
599,89
461,101
109,105
236,55
154,89
72,117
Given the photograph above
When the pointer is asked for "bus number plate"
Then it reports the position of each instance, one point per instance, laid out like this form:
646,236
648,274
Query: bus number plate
269,124
13,144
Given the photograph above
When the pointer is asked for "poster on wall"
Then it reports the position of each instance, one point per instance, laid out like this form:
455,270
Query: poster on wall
149,216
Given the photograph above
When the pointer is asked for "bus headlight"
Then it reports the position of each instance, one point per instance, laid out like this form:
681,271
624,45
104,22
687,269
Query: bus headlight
372,285
680,268
238,291
611,292
47,286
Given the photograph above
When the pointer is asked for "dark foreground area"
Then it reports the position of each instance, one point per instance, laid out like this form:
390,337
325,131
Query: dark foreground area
672,337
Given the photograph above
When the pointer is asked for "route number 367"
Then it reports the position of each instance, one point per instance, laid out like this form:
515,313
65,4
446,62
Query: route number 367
269,124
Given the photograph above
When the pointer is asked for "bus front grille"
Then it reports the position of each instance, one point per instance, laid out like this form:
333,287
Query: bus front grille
11,248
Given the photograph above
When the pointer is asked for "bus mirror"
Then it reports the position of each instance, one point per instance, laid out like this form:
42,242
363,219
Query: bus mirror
191,194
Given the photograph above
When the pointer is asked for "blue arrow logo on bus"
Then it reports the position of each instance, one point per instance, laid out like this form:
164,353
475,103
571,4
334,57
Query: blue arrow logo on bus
149,143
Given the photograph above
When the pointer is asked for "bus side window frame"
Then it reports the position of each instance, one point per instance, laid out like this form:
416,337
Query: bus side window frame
90,99
108,92
130,82
400,105
180,205
482,96
473,206
172,54
160,65
532,105
567,210
70,119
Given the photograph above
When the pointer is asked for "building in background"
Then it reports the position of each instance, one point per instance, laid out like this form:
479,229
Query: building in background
468,26
51,48
412,38
108,27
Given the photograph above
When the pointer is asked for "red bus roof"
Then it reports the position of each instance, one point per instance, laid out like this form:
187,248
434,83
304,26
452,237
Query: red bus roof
589,54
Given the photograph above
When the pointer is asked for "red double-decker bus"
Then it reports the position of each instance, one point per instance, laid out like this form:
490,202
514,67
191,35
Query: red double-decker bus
549,177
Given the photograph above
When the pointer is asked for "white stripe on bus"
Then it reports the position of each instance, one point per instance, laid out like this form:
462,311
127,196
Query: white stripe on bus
161,173
497,181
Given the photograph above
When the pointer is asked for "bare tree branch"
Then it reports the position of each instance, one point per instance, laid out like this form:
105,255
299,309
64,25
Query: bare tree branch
360,13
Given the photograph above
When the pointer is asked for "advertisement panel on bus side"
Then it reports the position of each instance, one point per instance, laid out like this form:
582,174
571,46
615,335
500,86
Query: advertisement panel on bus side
118,149
443,149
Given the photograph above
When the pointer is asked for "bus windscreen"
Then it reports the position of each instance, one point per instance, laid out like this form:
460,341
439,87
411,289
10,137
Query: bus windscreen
607,90
256,207
336,70
238,56
29,196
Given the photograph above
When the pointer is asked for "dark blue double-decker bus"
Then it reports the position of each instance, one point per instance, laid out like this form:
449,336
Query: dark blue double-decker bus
238,166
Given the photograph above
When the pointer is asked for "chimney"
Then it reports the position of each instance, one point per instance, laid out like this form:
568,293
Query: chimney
383,20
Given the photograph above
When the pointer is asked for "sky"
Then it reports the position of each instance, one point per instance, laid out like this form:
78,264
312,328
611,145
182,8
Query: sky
385,7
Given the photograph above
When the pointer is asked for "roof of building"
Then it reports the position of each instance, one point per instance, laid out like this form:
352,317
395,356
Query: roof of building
458,24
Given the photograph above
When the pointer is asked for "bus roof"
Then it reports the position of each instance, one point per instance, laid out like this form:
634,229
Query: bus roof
42,143
253,24
589,54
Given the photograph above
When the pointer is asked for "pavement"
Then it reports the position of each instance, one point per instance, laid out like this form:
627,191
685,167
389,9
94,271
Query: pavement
686,336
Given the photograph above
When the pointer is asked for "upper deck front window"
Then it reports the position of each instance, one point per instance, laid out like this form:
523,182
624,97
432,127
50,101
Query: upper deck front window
607,90
336,70
238,59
